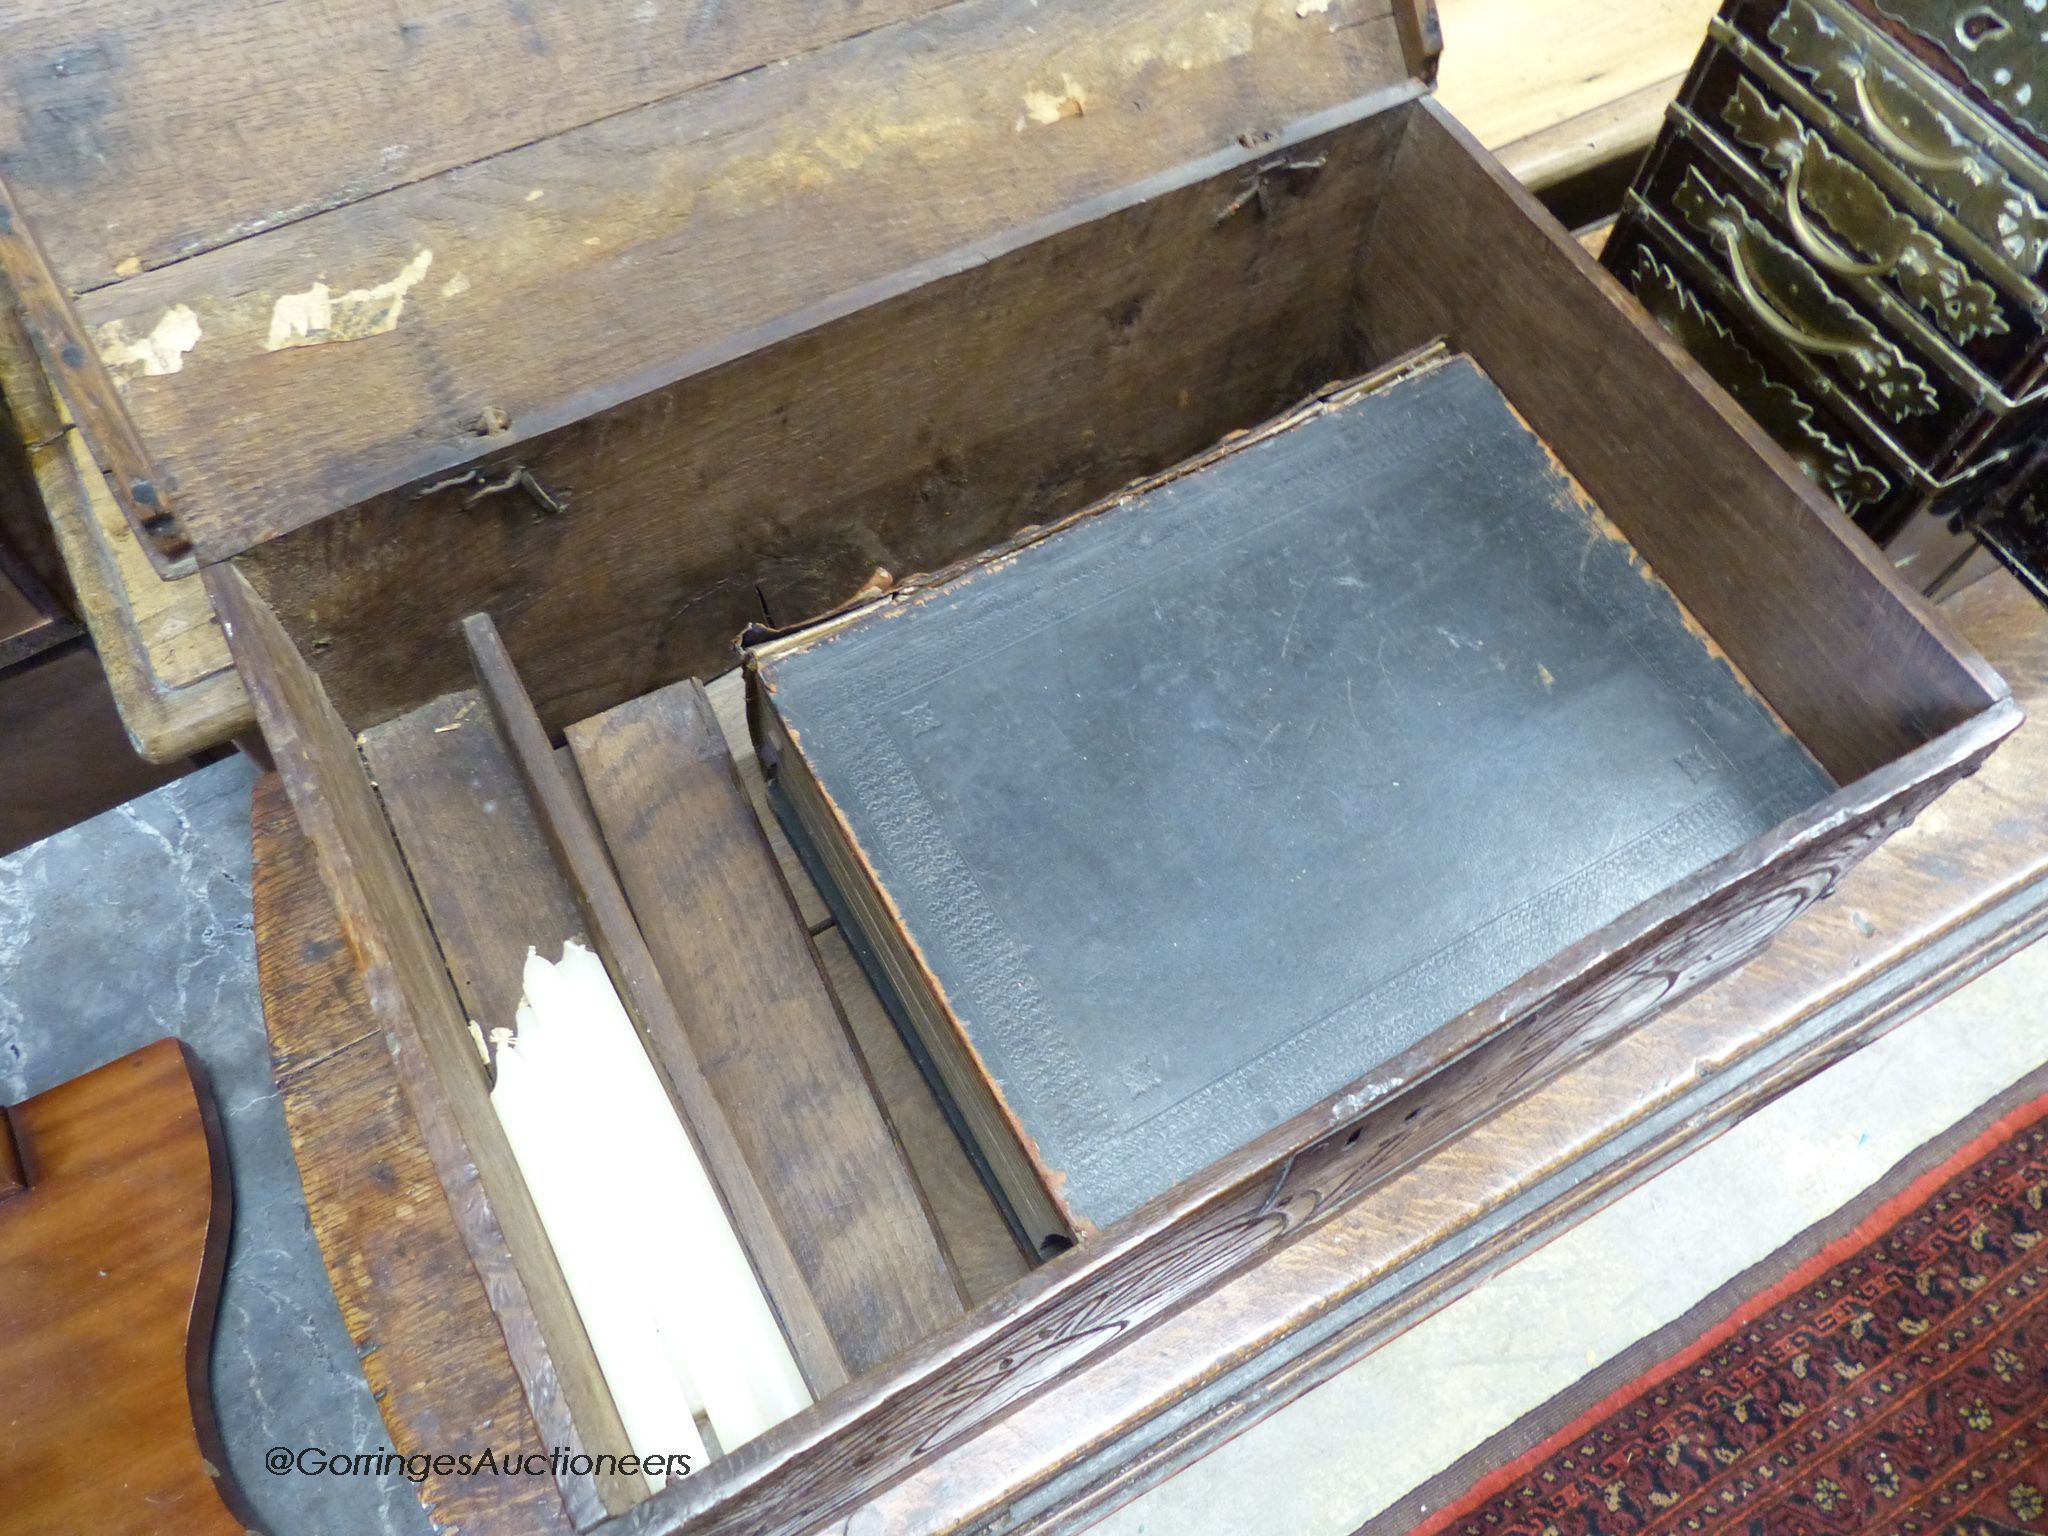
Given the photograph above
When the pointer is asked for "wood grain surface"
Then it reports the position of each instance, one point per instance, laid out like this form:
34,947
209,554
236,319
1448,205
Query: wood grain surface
85,383
985,1255
1556,87
427,1040
578,271
164,655
110,1270
411,1298
116,103
573,837
1013,369
725,935
922,430
474,846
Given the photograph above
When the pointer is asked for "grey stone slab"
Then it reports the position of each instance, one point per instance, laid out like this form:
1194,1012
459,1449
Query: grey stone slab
137,925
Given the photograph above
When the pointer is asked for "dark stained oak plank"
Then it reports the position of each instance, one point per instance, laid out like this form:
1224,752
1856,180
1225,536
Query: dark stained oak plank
110,1271
115,137
586,270
608,918
1422,37
80,375
413,1302
728,695
727,940
63,753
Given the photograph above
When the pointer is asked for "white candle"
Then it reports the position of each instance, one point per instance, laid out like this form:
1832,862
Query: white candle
647,1203
652,1403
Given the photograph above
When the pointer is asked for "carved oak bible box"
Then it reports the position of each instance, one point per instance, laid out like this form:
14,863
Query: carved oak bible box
650,344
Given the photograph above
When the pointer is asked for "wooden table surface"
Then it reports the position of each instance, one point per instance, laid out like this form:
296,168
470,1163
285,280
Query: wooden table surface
1556,87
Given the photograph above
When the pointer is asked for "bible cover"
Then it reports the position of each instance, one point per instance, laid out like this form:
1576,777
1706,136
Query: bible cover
1170,824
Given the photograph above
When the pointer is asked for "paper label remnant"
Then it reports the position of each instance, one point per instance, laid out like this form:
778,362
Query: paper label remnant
161,351
1050,106
319,314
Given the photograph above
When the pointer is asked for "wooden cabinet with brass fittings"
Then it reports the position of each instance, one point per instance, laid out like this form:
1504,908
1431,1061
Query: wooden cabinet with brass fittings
1846,221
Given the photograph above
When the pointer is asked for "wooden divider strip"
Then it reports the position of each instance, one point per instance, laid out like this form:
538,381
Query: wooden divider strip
619,942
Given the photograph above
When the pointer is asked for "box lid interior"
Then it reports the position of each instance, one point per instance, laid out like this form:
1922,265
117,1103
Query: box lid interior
281,260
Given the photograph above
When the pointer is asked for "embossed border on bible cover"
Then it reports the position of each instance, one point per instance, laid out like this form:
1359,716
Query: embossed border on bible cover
1192,811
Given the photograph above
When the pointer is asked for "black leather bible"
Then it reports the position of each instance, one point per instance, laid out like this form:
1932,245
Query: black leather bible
1166,825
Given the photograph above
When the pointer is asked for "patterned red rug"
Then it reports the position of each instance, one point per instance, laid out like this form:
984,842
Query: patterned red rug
1897,1381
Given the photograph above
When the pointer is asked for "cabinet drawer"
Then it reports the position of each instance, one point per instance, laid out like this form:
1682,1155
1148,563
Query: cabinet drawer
2008,513
1995,50
1862,220
947,416
1804,416
1921,396
1966,158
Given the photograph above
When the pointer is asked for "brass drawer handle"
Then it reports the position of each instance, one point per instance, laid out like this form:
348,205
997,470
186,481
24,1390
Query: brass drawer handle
1896,143
1791,330
1830,457
1819,246
1802,308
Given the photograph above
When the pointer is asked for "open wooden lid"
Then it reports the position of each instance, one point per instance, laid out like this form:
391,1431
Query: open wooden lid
281,259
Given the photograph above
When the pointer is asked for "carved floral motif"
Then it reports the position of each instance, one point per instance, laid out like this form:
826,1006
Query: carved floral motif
1943,158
